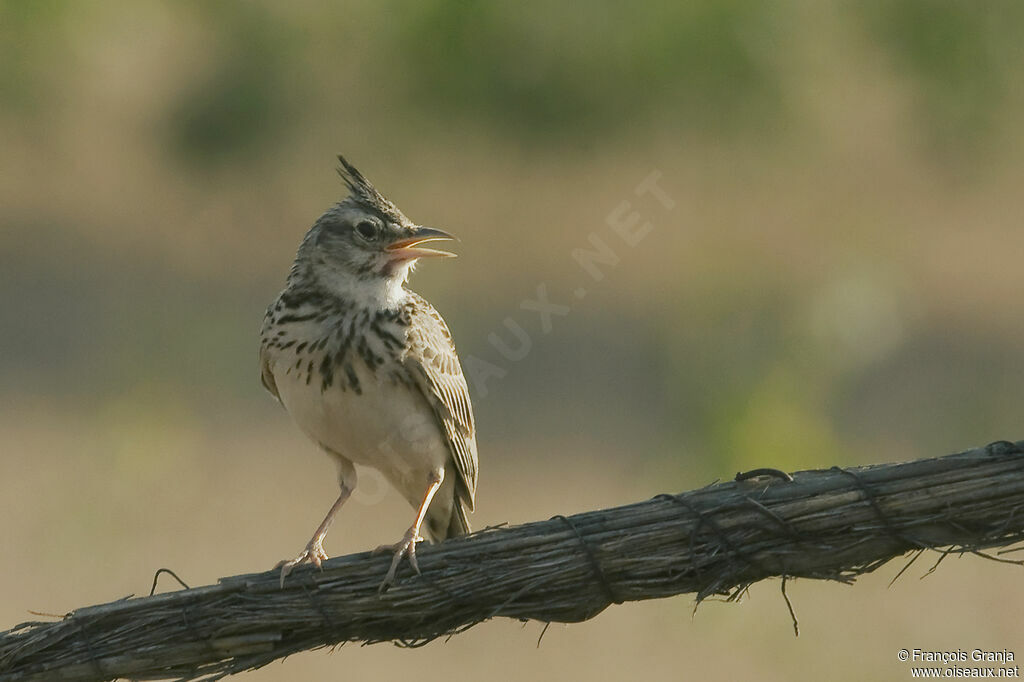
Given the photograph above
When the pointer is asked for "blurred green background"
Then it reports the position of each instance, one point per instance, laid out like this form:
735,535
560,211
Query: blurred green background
837,281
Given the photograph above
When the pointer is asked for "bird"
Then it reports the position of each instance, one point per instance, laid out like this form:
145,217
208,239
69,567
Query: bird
368,370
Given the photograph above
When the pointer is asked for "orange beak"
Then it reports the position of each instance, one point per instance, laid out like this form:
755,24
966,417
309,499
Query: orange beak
408,248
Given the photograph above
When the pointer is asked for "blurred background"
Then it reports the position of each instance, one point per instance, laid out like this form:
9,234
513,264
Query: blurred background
829,273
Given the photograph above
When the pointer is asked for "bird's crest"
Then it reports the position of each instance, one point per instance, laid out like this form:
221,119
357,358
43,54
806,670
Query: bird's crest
365,193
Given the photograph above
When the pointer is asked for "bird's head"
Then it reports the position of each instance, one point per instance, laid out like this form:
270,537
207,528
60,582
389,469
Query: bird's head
364,244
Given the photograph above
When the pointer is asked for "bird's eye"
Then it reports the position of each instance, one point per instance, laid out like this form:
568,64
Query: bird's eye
367,229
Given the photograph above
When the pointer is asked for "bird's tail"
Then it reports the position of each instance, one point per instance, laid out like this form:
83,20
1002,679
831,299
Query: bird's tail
459,522
456,523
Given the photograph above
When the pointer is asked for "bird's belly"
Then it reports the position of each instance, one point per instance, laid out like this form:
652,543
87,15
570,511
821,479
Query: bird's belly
387,425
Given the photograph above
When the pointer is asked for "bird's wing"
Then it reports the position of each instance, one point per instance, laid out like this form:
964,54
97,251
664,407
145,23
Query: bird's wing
266,375
436,368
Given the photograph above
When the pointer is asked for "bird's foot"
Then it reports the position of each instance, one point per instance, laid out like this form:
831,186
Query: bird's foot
406,547
314,554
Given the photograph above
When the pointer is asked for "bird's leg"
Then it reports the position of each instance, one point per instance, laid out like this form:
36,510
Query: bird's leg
407,545
314,552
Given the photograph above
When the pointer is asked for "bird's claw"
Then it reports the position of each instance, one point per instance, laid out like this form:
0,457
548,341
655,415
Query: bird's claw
314,554
406,547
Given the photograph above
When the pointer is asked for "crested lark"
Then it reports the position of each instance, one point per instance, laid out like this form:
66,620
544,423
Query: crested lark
368,370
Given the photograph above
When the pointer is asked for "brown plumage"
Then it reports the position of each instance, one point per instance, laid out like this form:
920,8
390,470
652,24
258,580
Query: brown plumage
368,369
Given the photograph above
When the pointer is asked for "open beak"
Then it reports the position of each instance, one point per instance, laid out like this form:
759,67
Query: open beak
409,247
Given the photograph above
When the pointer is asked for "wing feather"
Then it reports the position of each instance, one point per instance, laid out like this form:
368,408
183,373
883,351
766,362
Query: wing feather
266,373
436,368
